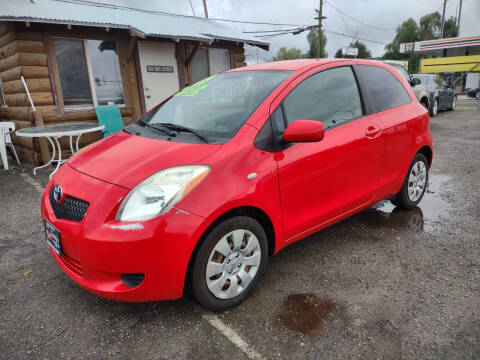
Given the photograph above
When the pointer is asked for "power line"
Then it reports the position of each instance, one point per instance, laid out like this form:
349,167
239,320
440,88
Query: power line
193,11
358,21
359,38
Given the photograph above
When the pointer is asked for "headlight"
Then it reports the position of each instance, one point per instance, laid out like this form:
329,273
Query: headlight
158,193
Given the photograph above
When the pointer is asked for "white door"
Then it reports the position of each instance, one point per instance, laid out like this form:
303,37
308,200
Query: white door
219,60
159,71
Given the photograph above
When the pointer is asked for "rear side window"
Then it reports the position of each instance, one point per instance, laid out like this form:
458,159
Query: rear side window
384,89
330,96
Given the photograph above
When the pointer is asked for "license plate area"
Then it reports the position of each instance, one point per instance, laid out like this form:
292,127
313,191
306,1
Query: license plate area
52,235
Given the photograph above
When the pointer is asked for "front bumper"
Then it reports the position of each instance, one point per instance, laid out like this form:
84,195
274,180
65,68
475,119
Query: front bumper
97,250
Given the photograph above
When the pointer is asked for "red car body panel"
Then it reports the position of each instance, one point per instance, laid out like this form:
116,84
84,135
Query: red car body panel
138,156
301,189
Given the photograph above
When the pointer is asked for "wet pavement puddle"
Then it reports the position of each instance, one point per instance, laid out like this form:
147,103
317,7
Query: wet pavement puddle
431,209
309,315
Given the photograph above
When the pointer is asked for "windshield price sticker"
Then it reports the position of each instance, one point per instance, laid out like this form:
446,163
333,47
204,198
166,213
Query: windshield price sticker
195,88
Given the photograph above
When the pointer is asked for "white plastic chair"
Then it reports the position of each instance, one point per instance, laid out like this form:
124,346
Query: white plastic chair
6,128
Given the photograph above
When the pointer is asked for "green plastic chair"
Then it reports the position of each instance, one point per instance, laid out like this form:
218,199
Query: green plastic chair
110,117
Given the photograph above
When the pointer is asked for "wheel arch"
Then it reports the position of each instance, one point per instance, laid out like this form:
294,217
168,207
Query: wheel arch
250,211
427,151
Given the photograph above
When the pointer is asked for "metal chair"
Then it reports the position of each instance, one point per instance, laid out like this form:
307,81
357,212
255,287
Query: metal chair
6,128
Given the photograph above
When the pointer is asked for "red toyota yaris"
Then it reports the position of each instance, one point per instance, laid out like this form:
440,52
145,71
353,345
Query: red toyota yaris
202,189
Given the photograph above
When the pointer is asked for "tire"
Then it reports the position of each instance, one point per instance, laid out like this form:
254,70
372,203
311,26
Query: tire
454,103
412,192
248,245
434,108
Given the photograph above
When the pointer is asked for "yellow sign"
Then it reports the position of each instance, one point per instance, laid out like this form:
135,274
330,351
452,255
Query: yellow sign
451,64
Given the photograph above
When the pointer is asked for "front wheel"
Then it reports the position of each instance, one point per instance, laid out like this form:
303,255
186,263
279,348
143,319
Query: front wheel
414,185
229,263
454,103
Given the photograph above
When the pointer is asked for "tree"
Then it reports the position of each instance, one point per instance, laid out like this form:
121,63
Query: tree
450,29
406,32
312,39
363,52
430,26
288,54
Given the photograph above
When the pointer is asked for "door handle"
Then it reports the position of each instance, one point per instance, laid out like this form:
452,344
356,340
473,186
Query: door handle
372,131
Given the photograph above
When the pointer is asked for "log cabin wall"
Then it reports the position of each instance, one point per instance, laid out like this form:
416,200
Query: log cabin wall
26,49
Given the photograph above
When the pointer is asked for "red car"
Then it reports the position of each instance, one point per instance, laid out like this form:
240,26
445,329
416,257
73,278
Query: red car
200,191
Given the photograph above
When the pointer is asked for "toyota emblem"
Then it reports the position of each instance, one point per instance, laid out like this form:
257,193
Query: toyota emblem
57,193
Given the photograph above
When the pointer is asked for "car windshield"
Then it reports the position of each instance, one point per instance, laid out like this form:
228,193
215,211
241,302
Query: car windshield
216,107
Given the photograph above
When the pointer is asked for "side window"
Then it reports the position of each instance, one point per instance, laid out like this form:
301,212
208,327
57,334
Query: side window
384,89
330,96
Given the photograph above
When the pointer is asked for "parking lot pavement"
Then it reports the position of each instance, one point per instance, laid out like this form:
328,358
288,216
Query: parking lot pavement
383,284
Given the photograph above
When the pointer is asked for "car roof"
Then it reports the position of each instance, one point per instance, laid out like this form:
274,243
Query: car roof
299,64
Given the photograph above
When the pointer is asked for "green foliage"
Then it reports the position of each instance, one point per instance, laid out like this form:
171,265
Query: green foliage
409,31
450,28
363,52
288,54
312,39
406,32
430,25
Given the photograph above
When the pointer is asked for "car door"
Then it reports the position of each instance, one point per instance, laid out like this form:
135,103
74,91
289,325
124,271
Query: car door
391,102
321,181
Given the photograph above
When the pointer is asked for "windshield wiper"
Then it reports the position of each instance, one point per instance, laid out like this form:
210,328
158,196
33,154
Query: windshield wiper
151,126
181,128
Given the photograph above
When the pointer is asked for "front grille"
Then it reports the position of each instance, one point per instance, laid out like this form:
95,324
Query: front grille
71,208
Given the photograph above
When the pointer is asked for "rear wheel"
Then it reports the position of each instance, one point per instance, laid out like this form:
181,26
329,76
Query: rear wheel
414,185
434,108
229,263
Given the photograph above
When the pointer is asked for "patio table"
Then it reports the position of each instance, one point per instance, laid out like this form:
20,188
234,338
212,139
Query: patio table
53,133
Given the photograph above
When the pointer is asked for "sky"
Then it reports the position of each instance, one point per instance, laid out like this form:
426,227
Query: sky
385,14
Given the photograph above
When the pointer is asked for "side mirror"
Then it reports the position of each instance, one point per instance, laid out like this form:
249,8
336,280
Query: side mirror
416,81
304,131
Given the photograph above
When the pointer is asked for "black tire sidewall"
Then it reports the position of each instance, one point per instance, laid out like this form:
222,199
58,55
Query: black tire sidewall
198,283
403,194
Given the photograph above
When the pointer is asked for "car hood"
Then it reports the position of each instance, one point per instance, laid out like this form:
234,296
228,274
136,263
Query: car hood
124,159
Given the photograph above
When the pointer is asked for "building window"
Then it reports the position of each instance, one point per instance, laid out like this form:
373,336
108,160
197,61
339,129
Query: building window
2,96
89,72
207,62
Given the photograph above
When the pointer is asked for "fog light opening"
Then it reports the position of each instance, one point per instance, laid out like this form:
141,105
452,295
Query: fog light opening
132,280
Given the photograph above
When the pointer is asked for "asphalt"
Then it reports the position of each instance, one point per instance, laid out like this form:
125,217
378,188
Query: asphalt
383,284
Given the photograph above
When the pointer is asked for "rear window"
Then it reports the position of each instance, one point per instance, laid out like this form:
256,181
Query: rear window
384,89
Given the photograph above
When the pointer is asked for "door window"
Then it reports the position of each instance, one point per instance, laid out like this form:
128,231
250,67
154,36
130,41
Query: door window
330,96
385,90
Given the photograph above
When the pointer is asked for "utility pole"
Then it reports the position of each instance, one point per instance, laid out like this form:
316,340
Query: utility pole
443,19
319,34
458,20
205,10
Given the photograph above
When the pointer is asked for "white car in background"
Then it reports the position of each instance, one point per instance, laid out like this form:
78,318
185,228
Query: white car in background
420,91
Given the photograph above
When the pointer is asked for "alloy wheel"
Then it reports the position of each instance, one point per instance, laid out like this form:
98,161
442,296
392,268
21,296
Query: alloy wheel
233,264
435,107
417,181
